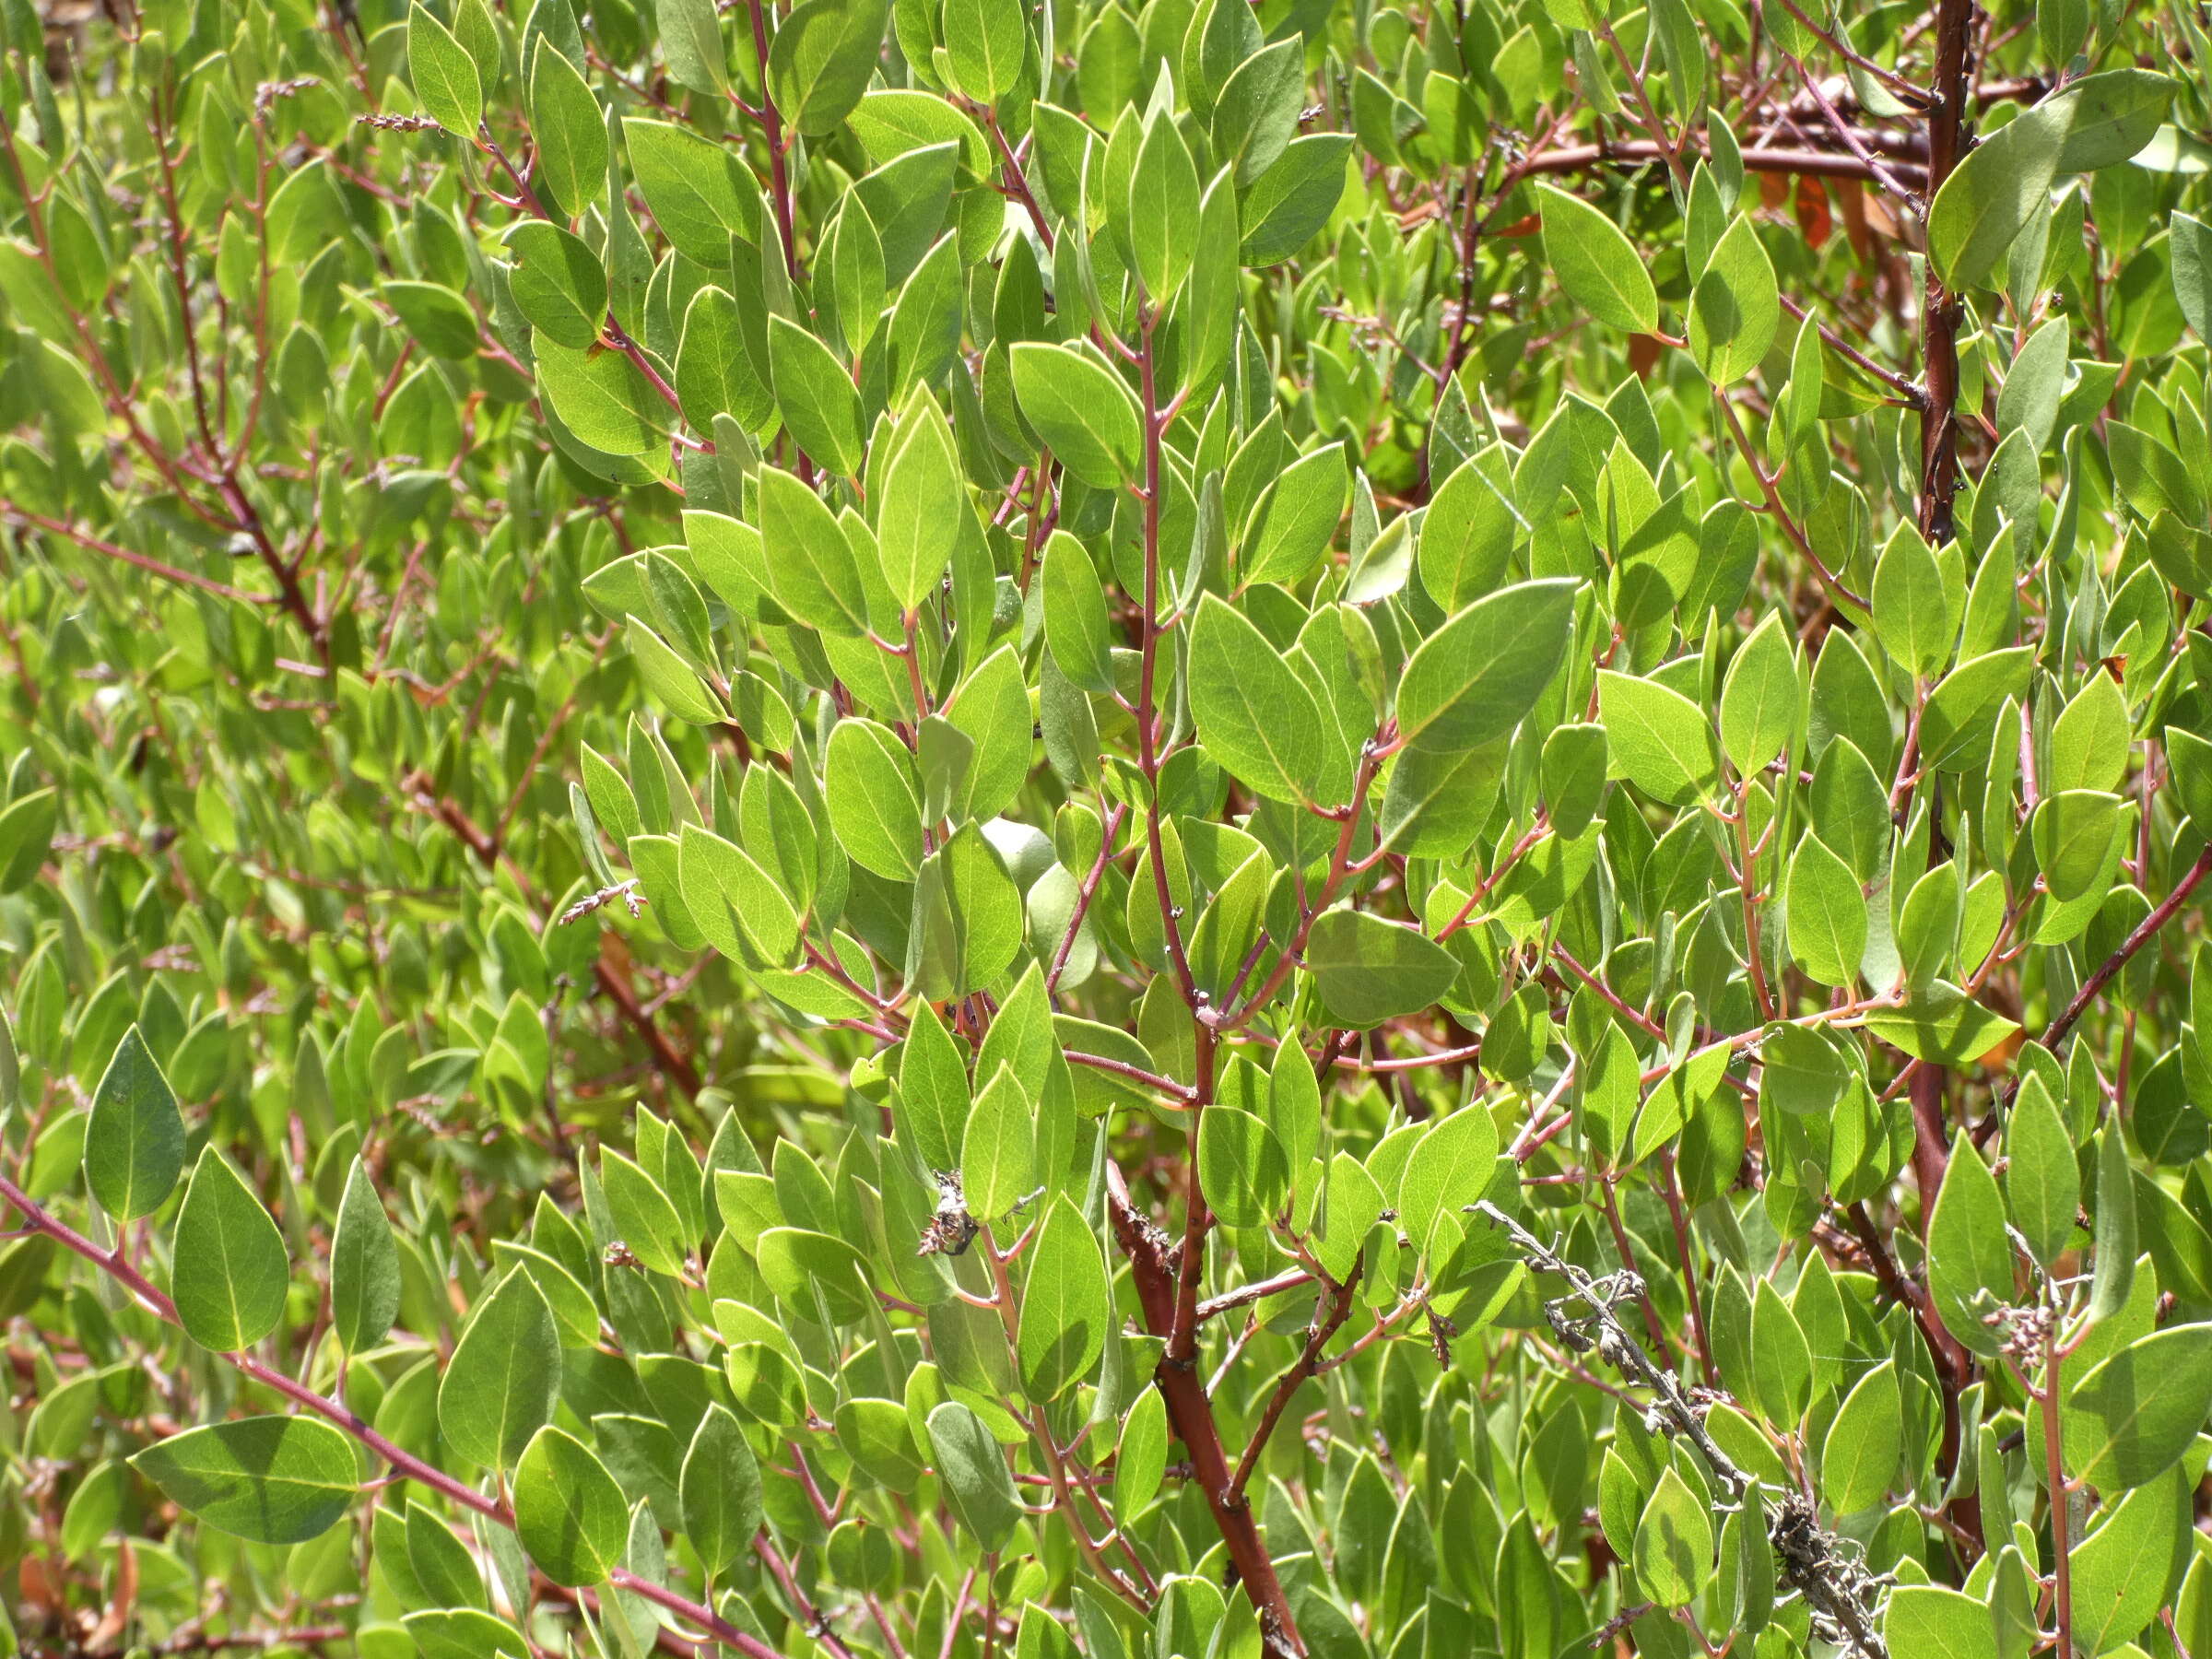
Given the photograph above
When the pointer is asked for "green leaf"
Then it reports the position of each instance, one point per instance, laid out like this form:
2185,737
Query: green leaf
972,1470
1673,1543
2152,476
2090,738
438,318
986,41
1078,629
906,200
1254,716
1285,206
2191,240
1990,194
1468,536
440,1562
1761,701
880,1438
1944,1025
364,1267
932,1101
2060,26
574,1312
1597,266
998,1149
670,678
273,1479
1928,1619
2130,1419
27,827
1294,1111
2122,1570
571,135
967,924
1163,204
739,906
2110,116
1476,677
856,280
824,52
568,1510
1956,723
1142,1460
1369,970
2115,1240
1911,608
696,190
644,1219
891,122
445,76
2042,1177
925,511
819,403
1242,1168
1735,307
1657,738
1081,410
556,283
715,368
765,1382
1065,1304
691,42
1296,519
1256,115
1927,927
1826,915
875,799
2036,381
134,1139
720,1492
1450,1169
995,711
2072,831
500,1386
1969,1254
231,1273
1781,1361
603,398
1436,801
811,573
1858,1460
2189,757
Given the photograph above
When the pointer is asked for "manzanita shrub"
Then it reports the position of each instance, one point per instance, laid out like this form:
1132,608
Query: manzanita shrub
1173,830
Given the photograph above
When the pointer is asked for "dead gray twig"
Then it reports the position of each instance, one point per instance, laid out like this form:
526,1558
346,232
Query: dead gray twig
1836,1588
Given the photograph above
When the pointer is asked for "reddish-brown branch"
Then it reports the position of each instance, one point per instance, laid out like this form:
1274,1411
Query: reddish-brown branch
168,572
1670,1189
772,125
1329,1315
1259,1291
1016,181
200,1641
1954,1366
2145,931
1191,1413
1642,152
1942,309
1084,894
2060,1489
671,1061
402,1461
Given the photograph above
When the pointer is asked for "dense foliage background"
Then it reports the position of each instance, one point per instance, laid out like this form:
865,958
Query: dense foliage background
1186,831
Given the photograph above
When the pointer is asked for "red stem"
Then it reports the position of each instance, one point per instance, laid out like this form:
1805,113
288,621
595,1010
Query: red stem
402,1461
